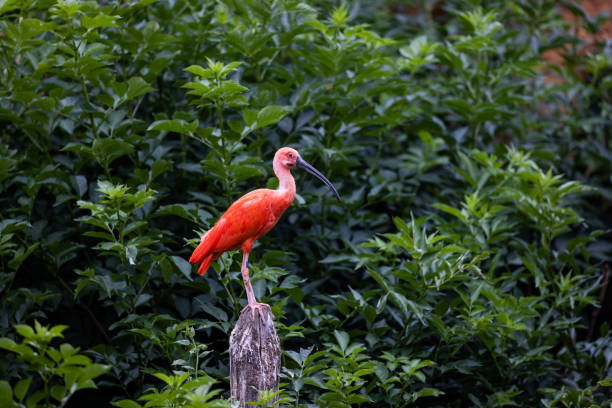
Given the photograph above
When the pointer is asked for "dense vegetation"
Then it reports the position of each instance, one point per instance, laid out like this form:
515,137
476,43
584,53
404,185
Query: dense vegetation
466,266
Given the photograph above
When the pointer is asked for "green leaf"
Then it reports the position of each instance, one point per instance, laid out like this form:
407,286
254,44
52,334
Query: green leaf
92,371
428,392
31,27
25,331
6,395
21,388
79,183
33,400
230,67
137,87
165,378
606,382
212,310
199,71
7,344
249,116
108,150
9,5
270,115
358,399
342,338
159,167
244,172
230,88
57,330
183,266
177,126
58,392
20,256
7,164
126,404
450,210
100,20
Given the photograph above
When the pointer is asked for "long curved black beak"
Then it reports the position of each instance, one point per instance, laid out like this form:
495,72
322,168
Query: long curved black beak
302,164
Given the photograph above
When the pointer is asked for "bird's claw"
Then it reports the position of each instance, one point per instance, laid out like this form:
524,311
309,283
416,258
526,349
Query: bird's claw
258,306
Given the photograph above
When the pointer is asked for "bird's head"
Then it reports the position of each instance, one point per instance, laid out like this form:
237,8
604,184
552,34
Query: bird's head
290,158
287,157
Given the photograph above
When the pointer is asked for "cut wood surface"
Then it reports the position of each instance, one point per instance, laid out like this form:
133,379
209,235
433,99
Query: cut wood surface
254,357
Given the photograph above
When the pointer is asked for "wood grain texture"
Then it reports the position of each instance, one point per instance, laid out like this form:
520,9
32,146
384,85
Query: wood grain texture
255,357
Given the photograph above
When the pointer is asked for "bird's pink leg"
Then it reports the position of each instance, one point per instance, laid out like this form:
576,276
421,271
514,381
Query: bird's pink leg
252,303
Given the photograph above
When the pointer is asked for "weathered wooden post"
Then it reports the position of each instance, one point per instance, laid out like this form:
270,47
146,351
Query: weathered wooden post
255,357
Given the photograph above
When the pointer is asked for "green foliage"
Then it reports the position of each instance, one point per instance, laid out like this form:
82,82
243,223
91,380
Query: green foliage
62,371
497,328
179,391
468,264
120,227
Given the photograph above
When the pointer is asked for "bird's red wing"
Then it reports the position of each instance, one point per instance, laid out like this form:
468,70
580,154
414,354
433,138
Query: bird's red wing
248,217
251,216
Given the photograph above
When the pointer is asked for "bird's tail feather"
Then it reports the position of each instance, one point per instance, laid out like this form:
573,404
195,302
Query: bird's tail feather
206,264
200,252
205,253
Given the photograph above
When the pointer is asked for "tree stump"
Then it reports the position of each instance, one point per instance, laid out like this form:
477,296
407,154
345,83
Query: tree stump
255,357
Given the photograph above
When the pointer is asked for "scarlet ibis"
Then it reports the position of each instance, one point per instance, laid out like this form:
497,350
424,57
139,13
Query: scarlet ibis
250,217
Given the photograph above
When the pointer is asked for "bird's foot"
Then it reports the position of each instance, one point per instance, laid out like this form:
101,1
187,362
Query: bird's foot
258,306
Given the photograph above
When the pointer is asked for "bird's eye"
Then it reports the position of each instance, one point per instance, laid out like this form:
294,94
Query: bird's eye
290,155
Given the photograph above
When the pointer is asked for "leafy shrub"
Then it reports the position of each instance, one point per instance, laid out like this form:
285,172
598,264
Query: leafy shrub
466,266
62,371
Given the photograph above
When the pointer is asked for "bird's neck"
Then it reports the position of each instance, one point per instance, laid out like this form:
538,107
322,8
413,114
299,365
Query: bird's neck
286,183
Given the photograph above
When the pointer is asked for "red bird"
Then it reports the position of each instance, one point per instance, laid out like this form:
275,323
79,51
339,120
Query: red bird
250,217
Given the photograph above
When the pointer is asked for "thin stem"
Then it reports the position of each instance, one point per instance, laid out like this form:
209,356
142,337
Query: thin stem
226,181
602,296
323,215
83,87
46,387
91,315
230,290
378,153
475,133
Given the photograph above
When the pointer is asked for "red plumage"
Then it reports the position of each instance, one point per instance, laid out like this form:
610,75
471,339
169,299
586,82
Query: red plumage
247,219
